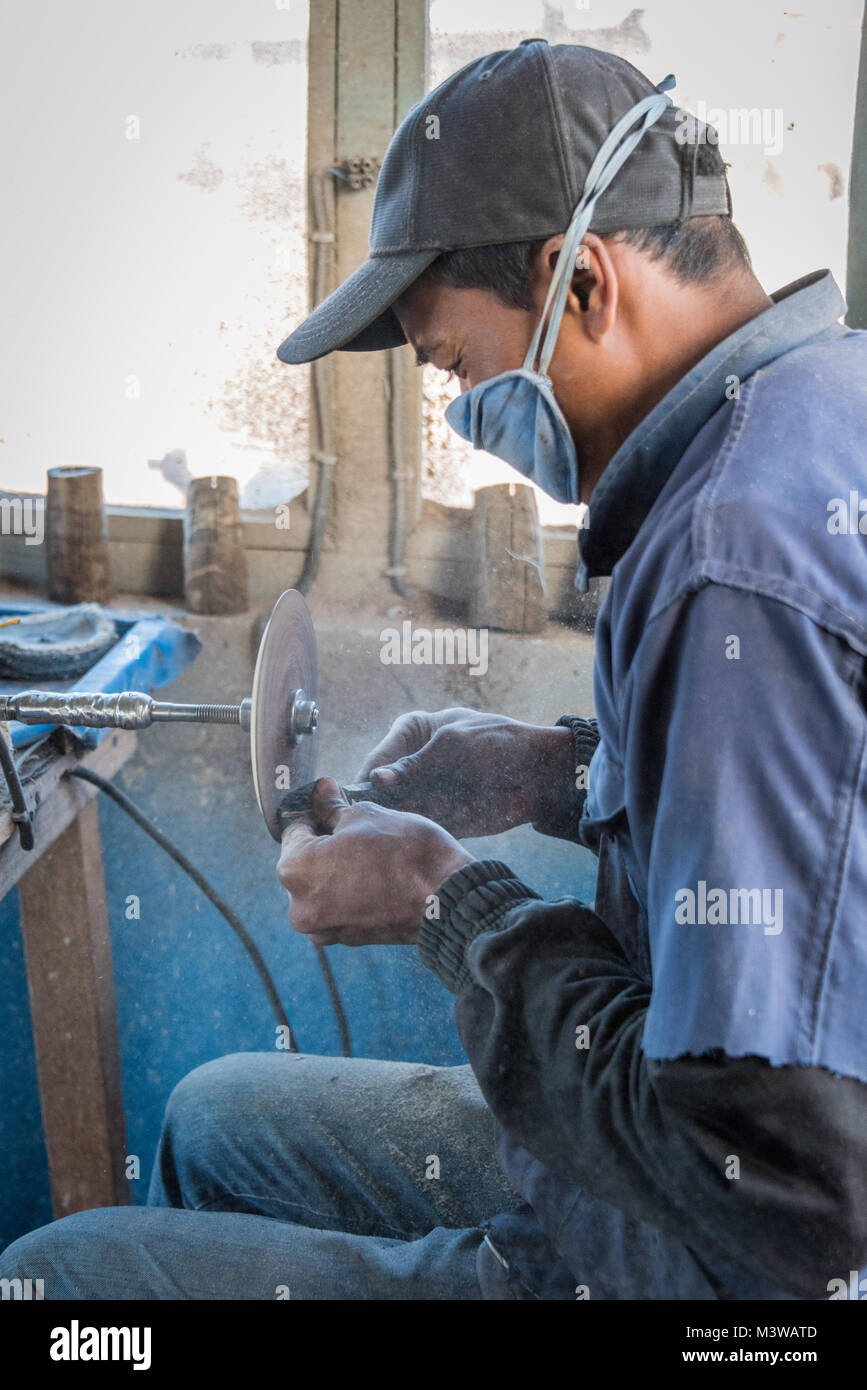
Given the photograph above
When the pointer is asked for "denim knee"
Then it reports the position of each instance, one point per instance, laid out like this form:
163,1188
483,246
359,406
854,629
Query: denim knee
208,1096
45,1255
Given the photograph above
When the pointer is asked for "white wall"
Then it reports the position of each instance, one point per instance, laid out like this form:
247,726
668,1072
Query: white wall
177,258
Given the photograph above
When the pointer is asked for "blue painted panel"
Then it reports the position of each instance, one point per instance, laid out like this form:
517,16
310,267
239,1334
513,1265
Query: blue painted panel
149,654
186,991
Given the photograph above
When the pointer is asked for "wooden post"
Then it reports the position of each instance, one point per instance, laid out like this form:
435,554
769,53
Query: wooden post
215,566
508,588
67,947
367,67
76,542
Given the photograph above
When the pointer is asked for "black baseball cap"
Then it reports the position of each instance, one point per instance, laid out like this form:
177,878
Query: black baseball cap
499,152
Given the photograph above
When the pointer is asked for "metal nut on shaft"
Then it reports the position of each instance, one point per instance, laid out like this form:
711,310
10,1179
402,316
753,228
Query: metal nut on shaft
302,716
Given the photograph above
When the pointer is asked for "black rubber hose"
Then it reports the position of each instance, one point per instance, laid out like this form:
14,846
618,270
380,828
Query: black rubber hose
237,925
20,812
201,882
336,1001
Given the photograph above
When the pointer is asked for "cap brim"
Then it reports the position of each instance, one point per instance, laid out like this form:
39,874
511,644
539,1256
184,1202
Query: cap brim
358,316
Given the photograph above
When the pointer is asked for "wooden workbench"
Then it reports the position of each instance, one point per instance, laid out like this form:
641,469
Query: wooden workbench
67,948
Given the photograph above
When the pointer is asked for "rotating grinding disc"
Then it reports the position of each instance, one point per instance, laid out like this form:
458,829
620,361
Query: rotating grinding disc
283,714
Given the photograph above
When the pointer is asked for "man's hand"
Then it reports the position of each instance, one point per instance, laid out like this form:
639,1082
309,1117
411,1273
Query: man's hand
361,875
473,773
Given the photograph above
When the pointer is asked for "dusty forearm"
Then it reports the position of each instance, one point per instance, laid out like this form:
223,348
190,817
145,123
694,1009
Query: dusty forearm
549,773
564,777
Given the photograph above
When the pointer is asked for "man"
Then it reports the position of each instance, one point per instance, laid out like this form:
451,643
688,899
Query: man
678,1076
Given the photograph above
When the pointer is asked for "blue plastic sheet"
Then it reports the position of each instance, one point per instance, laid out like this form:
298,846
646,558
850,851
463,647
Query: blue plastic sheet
149,653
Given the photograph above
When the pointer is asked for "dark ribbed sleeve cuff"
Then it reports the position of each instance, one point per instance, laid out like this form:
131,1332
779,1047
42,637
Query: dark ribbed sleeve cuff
471,901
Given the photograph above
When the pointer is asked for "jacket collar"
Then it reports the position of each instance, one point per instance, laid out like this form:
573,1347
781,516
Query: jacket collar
807,309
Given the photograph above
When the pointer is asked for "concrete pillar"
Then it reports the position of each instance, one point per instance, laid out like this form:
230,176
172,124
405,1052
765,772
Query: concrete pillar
856,278
367,67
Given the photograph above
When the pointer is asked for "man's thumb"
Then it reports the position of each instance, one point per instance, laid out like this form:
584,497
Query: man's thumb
397,780
327,803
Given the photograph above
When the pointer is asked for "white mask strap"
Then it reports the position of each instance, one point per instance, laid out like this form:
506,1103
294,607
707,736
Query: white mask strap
610,157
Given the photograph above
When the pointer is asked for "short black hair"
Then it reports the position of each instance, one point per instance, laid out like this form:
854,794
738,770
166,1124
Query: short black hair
697,252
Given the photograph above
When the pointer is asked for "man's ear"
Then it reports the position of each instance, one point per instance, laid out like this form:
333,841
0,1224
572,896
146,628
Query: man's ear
543,268
594,291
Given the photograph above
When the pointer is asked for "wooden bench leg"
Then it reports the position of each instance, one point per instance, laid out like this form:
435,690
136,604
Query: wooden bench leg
67,948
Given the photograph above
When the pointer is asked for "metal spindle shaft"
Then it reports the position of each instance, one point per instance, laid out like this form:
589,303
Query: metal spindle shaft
197,714
128,709
131,709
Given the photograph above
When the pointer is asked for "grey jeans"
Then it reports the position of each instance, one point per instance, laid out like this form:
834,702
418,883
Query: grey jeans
292,1176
